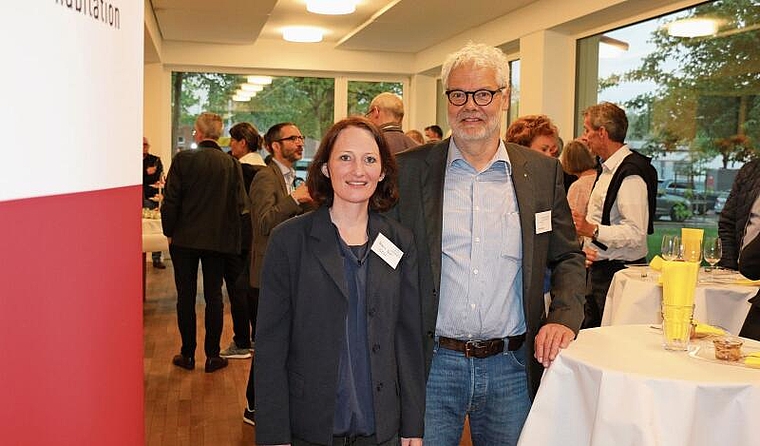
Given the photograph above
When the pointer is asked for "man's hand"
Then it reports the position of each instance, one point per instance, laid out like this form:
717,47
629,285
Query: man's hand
591,254
582,226
411,441
550,338
301,194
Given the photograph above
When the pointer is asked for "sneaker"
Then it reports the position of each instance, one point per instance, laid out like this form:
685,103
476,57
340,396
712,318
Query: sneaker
248,417
186,362
214,364
234,352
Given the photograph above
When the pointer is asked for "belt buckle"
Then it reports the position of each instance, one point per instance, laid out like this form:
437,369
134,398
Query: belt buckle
471,347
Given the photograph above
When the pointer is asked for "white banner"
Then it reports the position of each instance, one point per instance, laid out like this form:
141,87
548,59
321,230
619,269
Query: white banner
72,82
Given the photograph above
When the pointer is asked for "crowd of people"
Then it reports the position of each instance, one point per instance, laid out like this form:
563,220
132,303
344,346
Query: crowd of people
401,288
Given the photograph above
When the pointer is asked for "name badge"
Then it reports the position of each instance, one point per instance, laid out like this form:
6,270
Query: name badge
543,222
387,250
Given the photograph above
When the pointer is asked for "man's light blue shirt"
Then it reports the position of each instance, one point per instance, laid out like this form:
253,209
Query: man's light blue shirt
481,264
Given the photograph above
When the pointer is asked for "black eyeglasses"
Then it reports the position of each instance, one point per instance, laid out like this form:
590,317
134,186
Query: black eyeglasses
481,97
293,138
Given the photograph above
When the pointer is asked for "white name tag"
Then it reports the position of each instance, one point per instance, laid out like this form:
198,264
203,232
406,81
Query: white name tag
387,250
543,222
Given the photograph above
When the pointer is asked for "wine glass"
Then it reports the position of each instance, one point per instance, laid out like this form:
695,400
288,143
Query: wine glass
670,247
691,252
713,250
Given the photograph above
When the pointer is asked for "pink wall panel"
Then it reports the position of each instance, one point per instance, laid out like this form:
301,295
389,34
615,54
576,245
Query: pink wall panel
71,319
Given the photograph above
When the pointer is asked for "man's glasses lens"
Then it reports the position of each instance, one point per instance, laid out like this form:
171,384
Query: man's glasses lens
480,97
293,138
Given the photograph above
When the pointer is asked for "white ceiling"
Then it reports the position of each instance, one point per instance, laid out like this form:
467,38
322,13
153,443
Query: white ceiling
377,25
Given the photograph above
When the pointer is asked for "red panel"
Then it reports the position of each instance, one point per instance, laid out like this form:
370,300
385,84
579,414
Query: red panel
71,319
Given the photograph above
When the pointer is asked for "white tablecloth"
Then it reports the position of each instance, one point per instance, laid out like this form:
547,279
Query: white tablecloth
153,239
633,299
618,386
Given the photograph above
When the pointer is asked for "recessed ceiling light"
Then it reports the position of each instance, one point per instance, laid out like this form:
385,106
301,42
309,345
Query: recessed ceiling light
259,80
241,92
237,98
332,7
693,27
251,87
302,34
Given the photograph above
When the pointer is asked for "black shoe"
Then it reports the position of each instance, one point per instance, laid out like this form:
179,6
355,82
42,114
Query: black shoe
186,362
214,364
159,265
248,417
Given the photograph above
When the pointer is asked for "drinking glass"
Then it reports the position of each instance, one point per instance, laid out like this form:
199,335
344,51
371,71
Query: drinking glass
670,247
713,250
691,252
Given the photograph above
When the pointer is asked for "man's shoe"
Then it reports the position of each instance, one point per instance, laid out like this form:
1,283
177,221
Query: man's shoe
234,352
186,362
248,417
214,364
159,265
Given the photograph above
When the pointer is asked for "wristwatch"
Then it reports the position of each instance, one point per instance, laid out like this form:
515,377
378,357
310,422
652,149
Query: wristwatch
596,232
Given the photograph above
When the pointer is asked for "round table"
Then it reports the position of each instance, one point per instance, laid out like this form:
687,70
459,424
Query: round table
617,386
721,299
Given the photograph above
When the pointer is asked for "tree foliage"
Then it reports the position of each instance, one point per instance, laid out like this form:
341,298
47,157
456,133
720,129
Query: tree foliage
708,95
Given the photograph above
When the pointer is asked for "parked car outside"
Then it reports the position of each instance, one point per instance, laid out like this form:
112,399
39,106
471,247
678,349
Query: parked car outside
701,200
720,201
673,206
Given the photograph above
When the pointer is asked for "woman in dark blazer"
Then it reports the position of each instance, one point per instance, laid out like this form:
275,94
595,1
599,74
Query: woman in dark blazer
339,340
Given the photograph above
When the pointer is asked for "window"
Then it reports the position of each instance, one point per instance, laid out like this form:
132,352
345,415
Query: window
693,103
360,94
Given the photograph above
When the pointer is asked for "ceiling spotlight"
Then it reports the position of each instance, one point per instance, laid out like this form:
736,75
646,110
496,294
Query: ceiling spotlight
259,80
302,34
251,87
332,7
241,92
693,27
238,98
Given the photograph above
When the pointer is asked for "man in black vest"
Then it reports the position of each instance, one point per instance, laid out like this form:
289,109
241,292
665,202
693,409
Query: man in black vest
621,208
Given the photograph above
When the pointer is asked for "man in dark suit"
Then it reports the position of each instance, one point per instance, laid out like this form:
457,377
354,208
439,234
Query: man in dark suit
274,199
749,265
152,172
488,219
203,202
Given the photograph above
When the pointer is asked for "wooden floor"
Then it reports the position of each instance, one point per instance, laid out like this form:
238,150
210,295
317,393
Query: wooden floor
184,407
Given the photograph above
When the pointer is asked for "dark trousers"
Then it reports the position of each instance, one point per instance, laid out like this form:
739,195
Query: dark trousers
350,441
185,262
250,392
156,256
751,327
598,283
244,300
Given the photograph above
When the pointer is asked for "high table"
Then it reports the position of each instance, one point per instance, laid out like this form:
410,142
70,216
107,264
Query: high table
153,240
618,386
720,299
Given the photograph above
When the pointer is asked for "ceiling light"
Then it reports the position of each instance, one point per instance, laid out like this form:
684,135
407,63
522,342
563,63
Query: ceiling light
259,80
241,92
693,27
302,34
251,87
332,7
238,98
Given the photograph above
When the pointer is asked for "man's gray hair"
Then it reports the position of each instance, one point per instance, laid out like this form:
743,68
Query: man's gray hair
481,56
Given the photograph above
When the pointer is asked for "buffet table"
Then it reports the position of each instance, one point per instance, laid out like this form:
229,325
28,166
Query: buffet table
617,385
633,299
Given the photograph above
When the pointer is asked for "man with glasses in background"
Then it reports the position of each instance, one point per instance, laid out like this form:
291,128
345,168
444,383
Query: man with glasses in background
276,195
386,111
488,219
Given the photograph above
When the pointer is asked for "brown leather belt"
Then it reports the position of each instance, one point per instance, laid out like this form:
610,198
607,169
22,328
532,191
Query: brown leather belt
482,349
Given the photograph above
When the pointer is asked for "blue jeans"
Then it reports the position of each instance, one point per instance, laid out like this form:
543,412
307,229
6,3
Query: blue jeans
493,391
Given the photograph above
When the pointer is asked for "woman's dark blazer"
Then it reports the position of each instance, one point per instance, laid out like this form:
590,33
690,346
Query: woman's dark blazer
301,327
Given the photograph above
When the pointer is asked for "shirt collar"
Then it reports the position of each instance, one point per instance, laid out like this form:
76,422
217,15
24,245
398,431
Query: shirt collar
613,161
283,168
500,156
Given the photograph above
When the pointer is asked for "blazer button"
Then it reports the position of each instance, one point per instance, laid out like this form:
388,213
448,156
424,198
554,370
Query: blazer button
371,312
376,348
379,387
